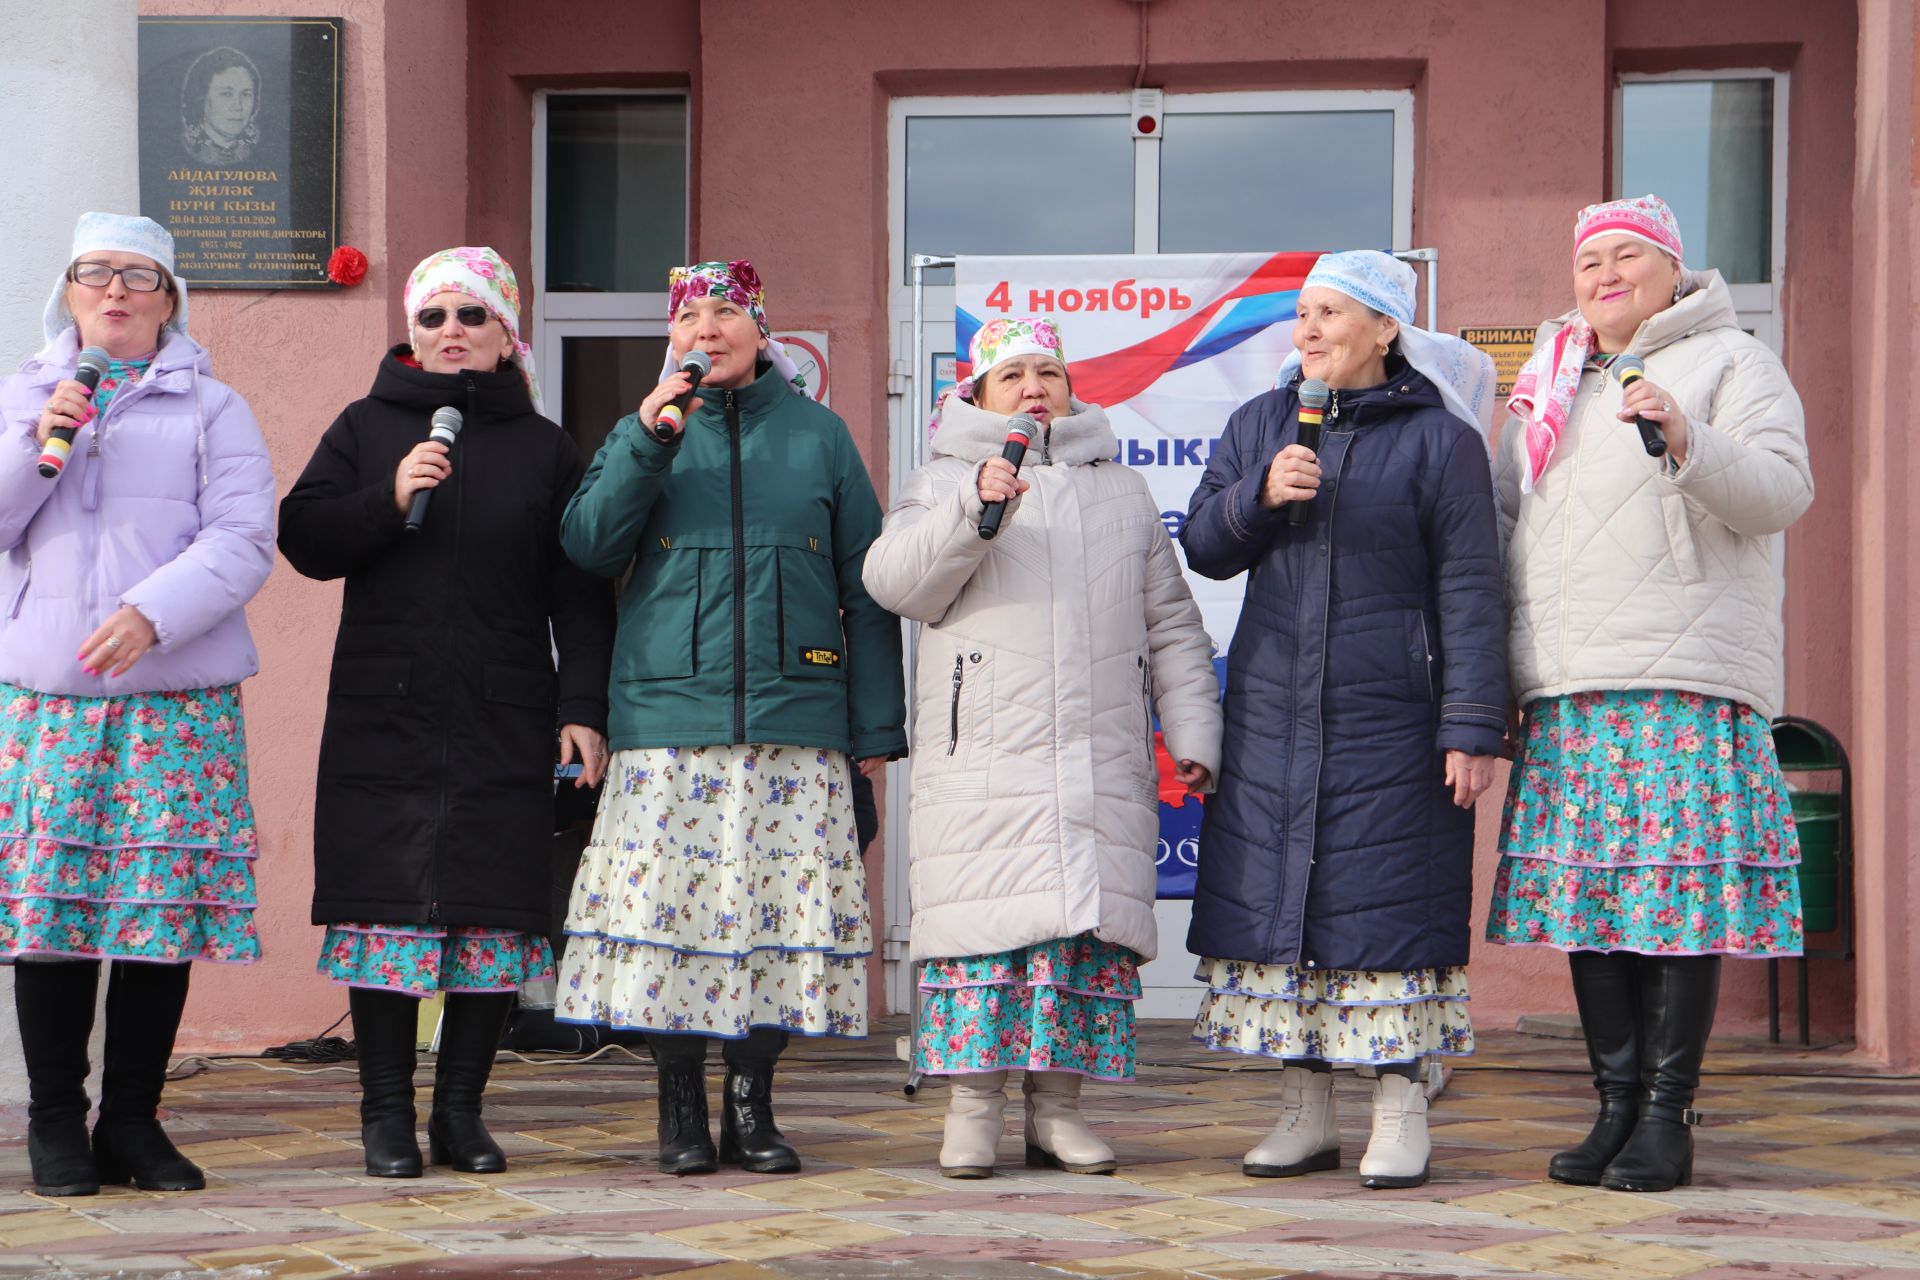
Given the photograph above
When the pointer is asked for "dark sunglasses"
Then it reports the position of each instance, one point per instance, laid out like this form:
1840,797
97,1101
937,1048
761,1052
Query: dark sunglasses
470,317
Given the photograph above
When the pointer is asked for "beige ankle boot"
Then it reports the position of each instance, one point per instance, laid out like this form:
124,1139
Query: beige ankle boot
976,1117
1306,1139
1398,1152
1057,1137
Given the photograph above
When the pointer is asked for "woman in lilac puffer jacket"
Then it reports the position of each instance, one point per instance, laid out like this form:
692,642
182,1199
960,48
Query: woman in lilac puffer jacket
125,831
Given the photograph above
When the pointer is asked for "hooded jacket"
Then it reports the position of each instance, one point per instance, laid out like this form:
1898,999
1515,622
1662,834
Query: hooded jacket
166,504
1035,790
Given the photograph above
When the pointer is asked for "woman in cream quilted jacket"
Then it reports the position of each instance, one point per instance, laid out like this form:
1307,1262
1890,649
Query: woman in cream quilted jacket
1035,788
1647,831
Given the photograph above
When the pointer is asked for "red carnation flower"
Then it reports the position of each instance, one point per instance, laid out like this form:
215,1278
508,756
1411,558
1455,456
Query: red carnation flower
347,266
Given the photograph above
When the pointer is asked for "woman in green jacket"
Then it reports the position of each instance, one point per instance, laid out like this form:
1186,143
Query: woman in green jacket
722,895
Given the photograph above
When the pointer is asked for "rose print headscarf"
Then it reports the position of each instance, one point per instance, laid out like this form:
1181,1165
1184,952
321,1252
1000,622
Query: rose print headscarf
739,283
484,276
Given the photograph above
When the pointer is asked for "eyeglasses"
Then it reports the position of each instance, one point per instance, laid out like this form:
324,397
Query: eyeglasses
470,317
98,275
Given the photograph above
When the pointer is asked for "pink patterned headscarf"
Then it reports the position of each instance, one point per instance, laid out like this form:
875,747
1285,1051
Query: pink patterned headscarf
484,276
735,281
1544,390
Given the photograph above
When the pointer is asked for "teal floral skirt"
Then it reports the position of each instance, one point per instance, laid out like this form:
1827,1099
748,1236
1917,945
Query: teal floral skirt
1654,821
125,828
1063,1005
418,960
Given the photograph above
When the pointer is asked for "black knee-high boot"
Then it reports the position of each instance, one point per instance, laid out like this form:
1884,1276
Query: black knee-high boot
1678,997
53,1000
385,1027
748,1135
1606,988
469,1041
686,1141
143,1016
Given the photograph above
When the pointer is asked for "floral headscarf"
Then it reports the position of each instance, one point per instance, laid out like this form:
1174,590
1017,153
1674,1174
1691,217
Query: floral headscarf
483,275
735,281
1556,367
998,341
739,283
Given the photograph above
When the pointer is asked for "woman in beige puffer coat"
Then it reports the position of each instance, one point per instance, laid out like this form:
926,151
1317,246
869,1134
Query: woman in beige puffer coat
1647,831
1035,788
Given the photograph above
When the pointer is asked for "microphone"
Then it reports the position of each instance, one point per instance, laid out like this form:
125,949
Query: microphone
1020,429
1629,370
59,446
1313,407
696,364
446,425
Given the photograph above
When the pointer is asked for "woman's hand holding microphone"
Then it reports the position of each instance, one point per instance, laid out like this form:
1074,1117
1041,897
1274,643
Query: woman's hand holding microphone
1292,476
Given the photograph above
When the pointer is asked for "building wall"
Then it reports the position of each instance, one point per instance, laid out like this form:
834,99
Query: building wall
789,168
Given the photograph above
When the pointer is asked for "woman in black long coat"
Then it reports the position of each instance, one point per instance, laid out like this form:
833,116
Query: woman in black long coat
434,812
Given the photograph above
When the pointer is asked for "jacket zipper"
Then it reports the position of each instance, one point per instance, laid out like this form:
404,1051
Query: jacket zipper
1146,711
1046,445
739,572
446,721
1566,540
1426,647
1333,499
953,718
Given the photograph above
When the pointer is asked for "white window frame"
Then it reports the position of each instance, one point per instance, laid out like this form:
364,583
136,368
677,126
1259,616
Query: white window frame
559,316
1757,305
939,299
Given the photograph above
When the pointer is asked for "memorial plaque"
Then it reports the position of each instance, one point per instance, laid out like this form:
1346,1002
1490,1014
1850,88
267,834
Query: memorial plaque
240,146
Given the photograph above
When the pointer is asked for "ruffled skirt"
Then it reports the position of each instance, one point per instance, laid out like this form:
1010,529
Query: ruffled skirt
418,960
125,828
1350,1016
1654,821
722,890
1063,1005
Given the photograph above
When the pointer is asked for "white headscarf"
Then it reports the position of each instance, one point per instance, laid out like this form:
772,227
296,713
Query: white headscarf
1460,371
114,233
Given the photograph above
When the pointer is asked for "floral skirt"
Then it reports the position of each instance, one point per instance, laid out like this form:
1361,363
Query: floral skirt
1063,1005
722,890
125,828
1653,821
1337,1015
418,960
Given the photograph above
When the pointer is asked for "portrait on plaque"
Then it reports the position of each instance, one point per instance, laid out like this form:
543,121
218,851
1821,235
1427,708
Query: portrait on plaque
240,146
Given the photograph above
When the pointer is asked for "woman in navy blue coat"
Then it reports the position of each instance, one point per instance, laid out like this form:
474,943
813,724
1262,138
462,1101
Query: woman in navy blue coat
1366,700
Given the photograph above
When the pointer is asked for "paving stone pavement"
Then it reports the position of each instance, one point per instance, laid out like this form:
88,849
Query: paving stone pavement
1809,1169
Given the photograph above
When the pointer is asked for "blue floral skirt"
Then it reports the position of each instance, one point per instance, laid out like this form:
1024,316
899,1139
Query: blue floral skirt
1653,821
1349,1016
722,890
418,960
1063,1005
125,828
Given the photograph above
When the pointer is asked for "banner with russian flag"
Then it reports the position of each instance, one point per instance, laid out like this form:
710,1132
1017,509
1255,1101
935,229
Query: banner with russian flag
1169,345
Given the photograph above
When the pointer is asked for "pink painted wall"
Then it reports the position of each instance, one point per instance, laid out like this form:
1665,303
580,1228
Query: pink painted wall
789,168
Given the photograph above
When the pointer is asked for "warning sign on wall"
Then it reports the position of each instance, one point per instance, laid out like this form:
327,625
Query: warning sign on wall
1508,345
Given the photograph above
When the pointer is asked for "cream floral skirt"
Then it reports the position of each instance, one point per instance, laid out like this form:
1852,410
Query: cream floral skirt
1349,1016
722,890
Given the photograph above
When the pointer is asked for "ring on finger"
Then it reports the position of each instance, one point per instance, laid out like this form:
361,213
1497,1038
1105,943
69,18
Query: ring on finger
113,642
1665,407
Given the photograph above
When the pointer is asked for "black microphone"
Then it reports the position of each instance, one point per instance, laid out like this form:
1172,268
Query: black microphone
1313,406
446,425
1020,429
1629,370
696,364
59,445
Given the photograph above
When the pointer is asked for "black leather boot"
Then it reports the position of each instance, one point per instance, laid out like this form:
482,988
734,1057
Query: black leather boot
469,1041
1678,997
385,1026
144,1001
1606,987
53,1000
748,1135
686,1141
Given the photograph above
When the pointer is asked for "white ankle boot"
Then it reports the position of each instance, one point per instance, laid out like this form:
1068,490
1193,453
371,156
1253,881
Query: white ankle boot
1398,1152
1306,1139
1056,1135
976,1117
